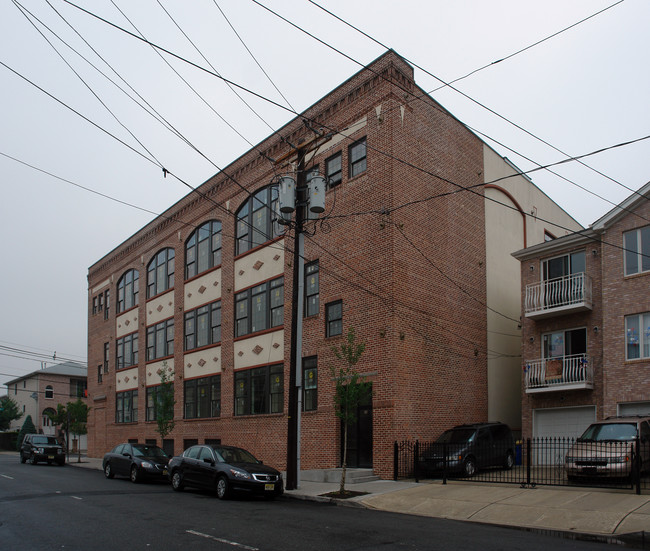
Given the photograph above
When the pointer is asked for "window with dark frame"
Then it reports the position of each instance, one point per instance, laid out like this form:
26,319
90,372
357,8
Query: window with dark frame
257,220
357,157
107,304
160,340
310,384
334,170
100,375
203,326
94,305
203,397
160,272
311,289
107,347
126,351
154,399
637,336
203,249
260,307
334,318
259,390
126,406
127,291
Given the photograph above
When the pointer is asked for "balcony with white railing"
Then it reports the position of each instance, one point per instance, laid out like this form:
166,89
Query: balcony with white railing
573,372
560,296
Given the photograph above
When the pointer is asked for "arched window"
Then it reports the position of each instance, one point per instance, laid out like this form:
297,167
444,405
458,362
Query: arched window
127,291
257,219
49,391
47,420
203,249
160,272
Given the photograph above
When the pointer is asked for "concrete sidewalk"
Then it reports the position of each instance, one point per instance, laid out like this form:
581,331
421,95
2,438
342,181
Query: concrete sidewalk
607,515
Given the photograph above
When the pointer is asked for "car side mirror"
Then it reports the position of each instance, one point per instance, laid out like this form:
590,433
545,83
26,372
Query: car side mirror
126,455
208,460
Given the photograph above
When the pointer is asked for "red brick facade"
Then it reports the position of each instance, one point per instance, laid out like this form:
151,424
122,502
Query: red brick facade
617,381
411,279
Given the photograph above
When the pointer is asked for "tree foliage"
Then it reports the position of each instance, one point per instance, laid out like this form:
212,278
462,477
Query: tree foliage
71,419
8,412
27,428
351,390
164,402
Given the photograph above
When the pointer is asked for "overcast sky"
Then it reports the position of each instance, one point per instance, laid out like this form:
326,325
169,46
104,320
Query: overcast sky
582,90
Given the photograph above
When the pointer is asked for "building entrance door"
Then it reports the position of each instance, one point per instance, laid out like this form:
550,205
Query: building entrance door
360,438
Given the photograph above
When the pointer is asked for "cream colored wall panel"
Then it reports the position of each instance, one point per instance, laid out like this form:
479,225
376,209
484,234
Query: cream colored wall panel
266,263
264,349
202,363
160,308
126,323
154,369
126,379
202,290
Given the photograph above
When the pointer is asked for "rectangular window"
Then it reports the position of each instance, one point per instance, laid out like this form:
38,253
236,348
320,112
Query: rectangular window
126,353
107,304
126,407
637,251
637,336
107,347
311,289
160,340
100,302
310,384
100,375
78,388
334,318
333,170
153,400
260,390
203,326
357,157
259,307
560,344
203,397
94,305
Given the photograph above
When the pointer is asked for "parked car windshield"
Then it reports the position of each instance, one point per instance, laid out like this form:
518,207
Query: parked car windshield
456,436
141,450
235,455
609,431
44,440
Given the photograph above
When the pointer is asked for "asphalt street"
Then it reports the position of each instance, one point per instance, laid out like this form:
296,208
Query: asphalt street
49,507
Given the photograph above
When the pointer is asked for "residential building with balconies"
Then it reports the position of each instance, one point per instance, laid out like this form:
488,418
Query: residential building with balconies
585,304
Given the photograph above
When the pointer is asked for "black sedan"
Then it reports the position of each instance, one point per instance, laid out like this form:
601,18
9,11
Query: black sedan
137,461
224,469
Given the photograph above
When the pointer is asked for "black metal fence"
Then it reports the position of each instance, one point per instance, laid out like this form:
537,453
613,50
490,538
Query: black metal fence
536,461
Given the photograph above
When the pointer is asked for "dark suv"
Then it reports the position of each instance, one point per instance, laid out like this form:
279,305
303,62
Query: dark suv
38,447
467,448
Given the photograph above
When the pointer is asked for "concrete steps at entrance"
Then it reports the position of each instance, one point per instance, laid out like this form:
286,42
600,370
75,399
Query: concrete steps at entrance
352,475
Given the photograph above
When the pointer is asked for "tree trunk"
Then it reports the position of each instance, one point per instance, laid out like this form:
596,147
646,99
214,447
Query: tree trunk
345,459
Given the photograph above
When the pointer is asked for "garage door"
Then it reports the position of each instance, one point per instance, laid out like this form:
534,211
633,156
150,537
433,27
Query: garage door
568,422
634,408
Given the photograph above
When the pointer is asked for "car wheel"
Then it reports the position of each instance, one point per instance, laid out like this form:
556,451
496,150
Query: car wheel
22,458
469,467
509,461
135,475
108,471
223,489
32,460
177,481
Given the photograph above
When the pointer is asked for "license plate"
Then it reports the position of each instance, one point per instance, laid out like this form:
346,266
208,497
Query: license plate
50,457
269,487
165,471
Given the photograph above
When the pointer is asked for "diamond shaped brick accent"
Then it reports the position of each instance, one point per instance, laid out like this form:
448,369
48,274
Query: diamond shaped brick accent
126,379
215,284
215,359
127,322
189,365
240,353
258,265
202,362
159,308
257,350
276,345
202,289
241,272
277,257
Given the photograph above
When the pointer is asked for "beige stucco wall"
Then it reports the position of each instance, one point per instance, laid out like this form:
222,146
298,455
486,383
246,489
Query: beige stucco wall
260,350
160,308
517,214
202,290
202,363
126,323
126,379
261,265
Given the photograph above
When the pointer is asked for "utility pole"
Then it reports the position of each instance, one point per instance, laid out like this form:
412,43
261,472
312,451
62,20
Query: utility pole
303,198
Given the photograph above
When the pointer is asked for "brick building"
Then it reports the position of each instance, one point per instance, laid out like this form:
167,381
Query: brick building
413,251
586,329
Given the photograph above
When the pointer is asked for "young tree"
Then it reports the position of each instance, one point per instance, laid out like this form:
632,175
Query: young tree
77,414
8,412
27,428
351,391
164,402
